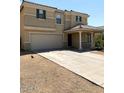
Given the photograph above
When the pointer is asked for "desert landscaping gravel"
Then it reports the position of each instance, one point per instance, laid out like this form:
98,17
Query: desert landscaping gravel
40,75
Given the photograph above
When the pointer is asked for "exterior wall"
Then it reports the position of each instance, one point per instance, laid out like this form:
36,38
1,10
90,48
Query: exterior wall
75,40
65,40
27,42
70,19
86,41
59,27
84,37
67,20
22,29
73,19
31,20
28,19
50,21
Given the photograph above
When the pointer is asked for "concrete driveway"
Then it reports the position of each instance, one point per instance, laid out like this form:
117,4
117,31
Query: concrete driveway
86,64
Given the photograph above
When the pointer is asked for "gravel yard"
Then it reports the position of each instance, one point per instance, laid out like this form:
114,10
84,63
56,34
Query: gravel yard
40,75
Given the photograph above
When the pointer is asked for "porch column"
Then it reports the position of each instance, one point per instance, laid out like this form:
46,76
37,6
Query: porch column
80,41
92,40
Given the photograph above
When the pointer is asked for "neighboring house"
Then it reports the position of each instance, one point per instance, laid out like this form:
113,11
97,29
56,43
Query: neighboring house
43,27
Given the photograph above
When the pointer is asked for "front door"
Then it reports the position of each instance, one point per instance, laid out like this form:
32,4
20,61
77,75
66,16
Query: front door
69,39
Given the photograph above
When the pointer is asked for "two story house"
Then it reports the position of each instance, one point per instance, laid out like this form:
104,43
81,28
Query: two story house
44,27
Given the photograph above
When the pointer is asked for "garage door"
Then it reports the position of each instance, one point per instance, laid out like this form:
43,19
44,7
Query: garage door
45,42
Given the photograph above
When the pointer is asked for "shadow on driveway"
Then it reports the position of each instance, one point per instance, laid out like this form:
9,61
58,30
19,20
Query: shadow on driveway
25,52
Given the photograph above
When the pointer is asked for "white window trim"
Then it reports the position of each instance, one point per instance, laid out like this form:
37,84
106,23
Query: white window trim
59,17
78,20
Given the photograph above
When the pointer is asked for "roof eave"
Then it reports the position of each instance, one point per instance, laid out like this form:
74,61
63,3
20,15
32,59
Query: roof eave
83,30
39,4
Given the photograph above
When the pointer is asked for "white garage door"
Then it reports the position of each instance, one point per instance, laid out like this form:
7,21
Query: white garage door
45,42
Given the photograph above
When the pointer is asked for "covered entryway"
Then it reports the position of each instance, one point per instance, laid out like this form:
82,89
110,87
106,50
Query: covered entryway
45,41
73,40
82,37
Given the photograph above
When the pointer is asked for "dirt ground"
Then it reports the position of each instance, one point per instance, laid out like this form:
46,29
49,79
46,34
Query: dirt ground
40,75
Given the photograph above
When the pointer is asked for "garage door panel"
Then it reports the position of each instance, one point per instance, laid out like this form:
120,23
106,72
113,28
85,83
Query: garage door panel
43,42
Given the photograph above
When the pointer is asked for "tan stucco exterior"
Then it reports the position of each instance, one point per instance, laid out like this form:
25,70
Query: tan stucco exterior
29,23
70,19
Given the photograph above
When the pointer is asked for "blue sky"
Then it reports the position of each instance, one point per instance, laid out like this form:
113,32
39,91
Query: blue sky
95,8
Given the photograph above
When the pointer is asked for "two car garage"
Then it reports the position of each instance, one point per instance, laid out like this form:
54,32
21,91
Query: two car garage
45,41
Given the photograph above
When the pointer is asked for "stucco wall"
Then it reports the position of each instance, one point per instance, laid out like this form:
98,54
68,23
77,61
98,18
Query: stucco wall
50,21
73,19
75,40
36,22
28,18
70,19
22,28
59,27
31,20
65,40
27,39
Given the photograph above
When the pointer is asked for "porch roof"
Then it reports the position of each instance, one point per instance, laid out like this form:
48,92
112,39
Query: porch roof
84,28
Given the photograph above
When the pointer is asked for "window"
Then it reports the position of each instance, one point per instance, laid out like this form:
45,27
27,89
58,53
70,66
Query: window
58,19
41,14
78,18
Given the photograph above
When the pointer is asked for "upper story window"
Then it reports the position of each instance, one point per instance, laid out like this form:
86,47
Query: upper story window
58,19
78,18
41,14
